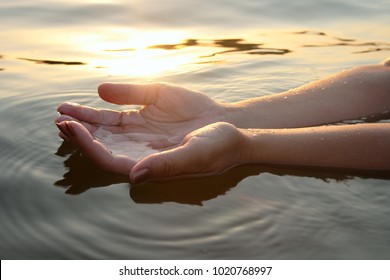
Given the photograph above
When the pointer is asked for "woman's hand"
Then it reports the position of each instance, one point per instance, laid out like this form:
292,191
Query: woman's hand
116,140
170,112
206,151
209,150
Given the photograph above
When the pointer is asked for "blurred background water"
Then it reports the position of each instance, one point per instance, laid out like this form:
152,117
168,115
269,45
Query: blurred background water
54,204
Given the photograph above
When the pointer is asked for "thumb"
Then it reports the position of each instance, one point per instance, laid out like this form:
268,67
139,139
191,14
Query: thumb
179,161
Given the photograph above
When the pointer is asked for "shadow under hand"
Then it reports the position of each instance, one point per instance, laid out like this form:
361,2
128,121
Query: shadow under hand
83,174
195,191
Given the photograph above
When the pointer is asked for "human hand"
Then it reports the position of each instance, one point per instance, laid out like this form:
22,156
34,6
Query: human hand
169,112
116,139
205,151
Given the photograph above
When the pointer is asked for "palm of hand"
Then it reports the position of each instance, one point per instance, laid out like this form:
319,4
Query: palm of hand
170,117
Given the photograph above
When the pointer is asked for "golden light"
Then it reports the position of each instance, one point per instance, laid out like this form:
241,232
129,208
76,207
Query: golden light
129,52
138,53
146,62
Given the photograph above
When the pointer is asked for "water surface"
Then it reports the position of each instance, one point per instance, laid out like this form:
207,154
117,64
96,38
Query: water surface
55,204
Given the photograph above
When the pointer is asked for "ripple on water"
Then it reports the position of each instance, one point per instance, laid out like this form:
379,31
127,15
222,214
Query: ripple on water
29,134
267,216
30,205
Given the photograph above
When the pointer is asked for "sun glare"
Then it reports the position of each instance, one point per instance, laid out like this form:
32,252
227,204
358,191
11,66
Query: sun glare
146,62
139,53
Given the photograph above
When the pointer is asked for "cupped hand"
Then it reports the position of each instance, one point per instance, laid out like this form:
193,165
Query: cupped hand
209,150
115,140
170,112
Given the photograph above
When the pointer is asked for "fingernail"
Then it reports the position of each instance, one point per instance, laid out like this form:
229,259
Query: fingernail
69,129
140,176
61,128
66,106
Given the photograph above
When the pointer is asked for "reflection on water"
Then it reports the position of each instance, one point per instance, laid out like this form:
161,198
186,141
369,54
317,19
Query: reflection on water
232,46
187,43
53,62
358,45
83,174
151,62
379,46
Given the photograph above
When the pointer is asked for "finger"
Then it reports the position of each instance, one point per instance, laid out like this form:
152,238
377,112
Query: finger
62,118
62,133
95,150
90,127
63,136
90,115
130,93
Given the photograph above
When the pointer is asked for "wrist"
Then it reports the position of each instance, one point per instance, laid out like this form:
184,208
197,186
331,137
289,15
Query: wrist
263,145
251,145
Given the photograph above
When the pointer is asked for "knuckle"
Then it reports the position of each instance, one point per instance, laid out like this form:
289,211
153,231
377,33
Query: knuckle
153,92
162,167
156,87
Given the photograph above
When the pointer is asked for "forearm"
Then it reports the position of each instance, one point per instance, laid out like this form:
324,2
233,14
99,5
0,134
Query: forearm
363,146
349,95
